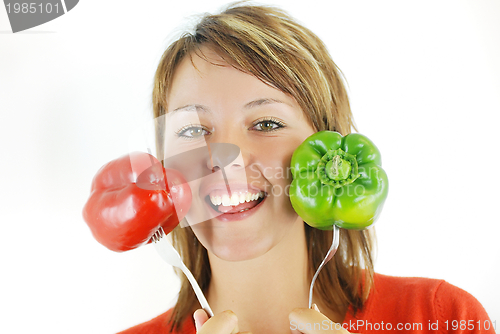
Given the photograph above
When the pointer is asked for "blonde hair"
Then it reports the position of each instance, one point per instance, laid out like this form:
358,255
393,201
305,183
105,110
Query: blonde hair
266,42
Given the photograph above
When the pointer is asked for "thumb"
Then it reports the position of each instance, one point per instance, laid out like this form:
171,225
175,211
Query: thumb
294,326
200,317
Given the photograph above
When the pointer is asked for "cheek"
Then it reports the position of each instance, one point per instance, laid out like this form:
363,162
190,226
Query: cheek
273,163
273,174
276,178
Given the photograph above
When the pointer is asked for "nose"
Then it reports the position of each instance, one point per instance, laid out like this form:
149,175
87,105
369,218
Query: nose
221,155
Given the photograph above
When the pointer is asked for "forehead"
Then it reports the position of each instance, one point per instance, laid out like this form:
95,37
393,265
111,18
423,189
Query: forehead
199,65
207,78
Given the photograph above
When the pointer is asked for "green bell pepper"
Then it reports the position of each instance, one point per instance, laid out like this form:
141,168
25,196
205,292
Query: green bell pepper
338,181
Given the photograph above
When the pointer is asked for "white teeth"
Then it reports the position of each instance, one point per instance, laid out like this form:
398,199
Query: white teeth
226,201
235,199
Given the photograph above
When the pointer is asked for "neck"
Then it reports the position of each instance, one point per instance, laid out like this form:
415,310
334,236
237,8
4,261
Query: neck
264,290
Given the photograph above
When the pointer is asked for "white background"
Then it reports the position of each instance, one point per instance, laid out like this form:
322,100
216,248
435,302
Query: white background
424,81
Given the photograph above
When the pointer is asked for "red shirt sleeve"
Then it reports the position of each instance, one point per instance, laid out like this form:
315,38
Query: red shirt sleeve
459,312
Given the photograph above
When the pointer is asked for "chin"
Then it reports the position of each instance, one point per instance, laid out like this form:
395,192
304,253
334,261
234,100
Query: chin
241,251
230,243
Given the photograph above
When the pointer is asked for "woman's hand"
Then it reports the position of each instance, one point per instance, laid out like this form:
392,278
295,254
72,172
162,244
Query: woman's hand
311,321
222,323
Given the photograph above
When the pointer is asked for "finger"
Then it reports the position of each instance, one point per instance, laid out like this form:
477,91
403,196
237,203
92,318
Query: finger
223,323
309,321
200,317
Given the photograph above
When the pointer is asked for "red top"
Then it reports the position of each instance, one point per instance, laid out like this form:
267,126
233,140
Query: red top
411,304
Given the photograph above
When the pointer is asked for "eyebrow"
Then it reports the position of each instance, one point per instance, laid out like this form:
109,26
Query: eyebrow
249,105
260,102
192,107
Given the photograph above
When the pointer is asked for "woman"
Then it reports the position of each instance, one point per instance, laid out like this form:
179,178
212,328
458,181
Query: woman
253,77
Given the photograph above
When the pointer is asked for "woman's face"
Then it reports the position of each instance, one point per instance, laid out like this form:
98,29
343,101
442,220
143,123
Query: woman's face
210,104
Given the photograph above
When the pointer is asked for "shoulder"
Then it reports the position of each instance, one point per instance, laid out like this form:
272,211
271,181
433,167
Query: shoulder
399,290
435,293
160,325
452,303
413,294
420,300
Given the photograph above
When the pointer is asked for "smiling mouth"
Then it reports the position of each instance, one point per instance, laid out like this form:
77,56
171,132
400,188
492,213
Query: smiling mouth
239,202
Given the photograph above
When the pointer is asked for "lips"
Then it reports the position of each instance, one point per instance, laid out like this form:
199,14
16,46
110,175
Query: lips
234,213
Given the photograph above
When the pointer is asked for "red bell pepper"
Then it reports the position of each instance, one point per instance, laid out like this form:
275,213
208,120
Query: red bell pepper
131,198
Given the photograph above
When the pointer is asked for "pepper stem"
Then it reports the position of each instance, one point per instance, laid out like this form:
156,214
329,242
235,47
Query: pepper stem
337,168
